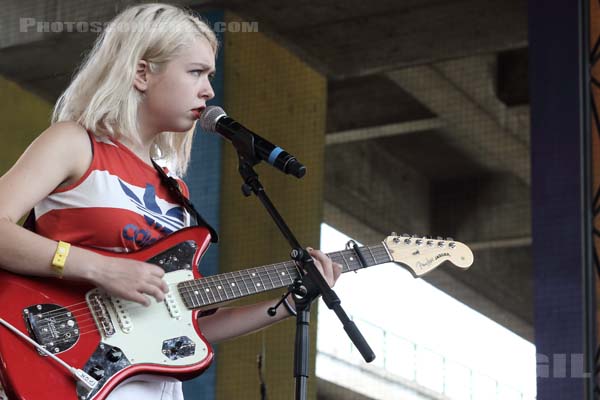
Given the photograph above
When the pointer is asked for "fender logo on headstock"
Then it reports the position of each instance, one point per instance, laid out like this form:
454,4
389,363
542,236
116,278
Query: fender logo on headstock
421,255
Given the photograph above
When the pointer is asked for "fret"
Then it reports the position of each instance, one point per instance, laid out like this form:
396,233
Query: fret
198,292
214,287
229,287
273,286
253,276
372,255
345,261
209,292
186,294
190,296
384,254
193,295
244,281
279,276
356,264
387,252
263,283
222,288
340,259
259,282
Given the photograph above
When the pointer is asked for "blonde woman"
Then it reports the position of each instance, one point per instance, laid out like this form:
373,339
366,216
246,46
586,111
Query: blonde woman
136,96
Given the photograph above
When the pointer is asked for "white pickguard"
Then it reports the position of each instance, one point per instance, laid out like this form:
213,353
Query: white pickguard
148,327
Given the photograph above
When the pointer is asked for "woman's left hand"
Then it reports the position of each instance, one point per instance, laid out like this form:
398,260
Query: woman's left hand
330,270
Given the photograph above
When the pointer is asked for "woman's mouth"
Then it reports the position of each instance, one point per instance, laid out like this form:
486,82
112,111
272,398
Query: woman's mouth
197,112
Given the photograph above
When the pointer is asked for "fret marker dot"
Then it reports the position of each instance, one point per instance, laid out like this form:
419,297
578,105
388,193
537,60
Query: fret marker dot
258,284
219,287
195,292
253,274
283,273
207,290
351,258
233,284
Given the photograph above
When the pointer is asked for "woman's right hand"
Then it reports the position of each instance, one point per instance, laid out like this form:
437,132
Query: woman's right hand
130,279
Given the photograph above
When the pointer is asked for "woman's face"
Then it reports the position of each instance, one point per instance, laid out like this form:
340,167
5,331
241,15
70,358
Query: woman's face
177,94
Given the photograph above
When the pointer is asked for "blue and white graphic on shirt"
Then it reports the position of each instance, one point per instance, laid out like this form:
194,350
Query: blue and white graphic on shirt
167,222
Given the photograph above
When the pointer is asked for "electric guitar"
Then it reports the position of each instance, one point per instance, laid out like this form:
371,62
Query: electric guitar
70,341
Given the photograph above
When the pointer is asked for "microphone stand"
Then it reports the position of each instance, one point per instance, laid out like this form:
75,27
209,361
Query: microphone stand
309,284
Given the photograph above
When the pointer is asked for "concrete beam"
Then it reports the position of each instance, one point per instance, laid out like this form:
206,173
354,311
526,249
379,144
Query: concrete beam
376,186
468,125
355,38
476,77
374,132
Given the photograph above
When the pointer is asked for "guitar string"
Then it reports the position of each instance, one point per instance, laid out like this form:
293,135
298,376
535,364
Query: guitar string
209,282
268,271
89,322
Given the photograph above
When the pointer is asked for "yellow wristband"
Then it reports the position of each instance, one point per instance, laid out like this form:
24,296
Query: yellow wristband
60,257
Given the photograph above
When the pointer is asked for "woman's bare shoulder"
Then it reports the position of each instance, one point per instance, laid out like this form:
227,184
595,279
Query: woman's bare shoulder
59,155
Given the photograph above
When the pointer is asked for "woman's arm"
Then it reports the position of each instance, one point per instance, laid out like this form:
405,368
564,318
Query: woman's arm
230,322
59,157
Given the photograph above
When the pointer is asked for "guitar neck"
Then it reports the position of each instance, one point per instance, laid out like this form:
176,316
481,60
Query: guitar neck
221,288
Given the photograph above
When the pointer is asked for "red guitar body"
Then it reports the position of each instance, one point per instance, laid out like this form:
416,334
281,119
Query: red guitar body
108,338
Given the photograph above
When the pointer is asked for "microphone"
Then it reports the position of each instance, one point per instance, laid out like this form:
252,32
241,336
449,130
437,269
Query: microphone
215,119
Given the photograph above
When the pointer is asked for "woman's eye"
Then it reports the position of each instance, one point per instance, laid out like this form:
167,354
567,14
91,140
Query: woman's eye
211,77
197,72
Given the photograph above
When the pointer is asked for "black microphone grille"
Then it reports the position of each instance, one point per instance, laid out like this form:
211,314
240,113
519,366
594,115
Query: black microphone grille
209,118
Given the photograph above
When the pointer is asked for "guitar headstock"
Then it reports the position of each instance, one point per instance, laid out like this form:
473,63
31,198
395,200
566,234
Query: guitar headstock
422,255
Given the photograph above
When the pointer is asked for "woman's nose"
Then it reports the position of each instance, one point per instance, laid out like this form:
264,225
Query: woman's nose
207,91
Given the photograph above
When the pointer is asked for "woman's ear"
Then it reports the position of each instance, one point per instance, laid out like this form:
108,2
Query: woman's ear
141,76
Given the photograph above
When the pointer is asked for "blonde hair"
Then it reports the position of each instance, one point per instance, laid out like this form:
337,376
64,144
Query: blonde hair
101,96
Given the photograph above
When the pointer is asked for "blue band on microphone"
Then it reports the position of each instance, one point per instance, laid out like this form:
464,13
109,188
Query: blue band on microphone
273,156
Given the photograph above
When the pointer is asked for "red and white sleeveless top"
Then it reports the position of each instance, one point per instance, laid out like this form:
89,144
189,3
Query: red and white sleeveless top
119,204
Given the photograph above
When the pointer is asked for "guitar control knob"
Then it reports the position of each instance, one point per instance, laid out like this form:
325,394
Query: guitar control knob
407,241
97,372
419,242
441,244
114,355
430,243
452,245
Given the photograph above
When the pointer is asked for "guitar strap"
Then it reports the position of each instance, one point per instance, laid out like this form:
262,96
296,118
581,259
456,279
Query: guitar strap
173,186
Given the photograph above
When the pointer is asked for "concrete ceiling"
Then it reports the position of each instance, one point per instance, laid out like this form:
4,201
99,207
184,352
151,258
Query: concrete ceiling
441,126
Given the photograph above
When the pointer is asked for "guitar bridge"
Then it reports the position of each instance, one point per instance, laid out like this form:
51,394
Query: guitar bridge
97,305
